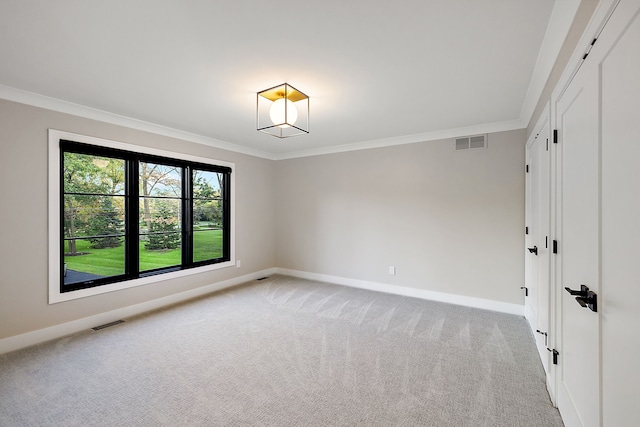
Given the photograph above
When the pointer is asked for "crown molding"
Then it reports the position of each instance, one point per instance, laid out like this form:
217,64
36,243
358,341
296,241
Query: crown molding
41,101
599,19
560,23
49,103
409,139
36,100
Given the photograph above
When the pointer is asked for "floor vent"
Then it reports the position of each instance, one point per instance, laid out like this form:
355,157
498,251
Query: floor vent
262,278
106,325
471,142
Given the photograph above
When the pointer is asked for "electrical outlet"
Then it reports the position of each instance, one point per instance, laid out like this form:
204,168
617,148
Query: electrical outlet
238,263
392,270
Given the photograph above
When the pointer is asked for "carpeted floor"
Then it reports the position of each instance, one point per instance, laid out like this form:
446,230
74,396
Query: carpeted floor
285,352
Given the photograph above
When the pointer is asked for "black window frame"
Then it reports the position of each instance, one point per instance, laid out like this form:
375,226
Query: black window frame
132,160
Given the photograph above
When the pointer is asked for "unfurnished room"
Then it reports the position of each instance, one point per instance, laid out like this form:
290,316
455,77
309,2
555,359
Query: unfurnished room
336,213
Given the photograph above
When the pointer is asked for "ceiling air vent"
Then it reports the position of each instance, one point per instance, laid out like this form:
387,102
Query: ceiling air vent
469,142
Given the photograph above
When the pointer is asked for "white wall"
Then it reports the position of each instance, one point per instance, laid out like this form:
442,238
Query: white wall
23,218
448,221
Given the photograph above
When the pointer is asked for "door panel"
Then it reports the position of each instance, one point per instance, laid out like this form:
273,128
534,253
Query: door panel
533,216
537,274
545,245
620,71
578,190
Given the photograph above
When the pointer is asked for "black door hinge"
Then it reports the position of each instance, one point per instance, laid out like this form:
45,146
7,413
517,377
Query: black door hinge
555,136
555,247
546,242
526,291
547,144
545,336
555,355
526,230
589,49
526,168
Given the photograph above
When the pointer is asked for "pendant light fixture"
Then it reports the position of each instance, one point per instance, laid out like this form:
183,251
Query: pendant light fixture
283,111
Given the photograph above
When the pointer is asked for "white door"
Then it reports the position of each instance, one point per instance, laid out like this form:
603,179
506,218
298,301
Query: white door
578,328
531,238
537,240
619,66
598,117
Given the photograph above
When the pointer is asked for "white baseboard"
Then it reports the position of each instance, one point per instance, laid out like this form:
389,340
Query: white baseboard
551,390
485,304
41,335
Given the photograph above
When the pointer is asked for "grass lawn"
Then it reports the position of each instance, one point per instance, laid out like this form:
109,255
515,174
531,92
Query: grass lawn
110,261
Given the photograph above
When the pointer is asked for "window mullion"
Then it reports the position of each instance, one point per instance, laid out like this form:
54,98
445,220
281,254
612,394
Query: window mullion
132,254
226,219
61,272
187,216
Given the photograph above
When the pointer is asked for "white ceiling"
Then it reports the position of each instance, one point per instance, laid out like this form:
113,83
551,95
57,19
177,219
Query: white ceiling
397,71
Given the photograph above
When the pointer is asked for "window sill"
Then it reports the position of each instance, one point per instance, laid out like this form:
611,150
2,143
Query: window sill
55,296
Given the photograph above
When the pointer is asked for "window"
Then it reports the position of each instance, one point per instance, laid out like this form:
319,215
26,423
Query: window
160,221
208,213
92,204
129,215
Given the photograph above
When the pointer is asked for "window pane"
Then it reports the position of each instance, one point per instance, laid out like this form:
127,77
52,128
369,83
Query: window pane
86,259
207,244
151,259
94,216
160,216
93,209
160,233
84,173
207,184
160,180
207,215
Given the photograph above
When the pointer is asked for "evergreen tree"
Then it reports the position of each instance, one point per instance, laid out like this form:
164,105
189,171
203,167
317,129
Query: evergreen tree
164,233
106,223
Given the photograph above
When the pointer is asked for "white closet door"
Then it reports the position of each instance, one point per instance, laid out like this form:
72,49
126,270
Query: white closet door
598,118
578,328
619,78
531,240
537,263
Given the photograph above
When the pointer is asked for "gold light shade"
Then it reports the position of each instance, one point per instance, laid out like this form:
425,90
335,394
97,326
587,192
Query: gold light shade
282,111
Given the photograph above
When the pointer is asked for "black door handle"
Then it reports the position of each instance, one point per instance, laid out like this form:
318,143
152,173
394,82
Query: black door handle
582,292
582,301
533,250
585,297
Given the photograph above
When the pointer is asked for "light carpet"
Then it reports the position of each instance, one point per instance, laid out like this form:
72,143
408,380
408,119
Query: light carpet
286,352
